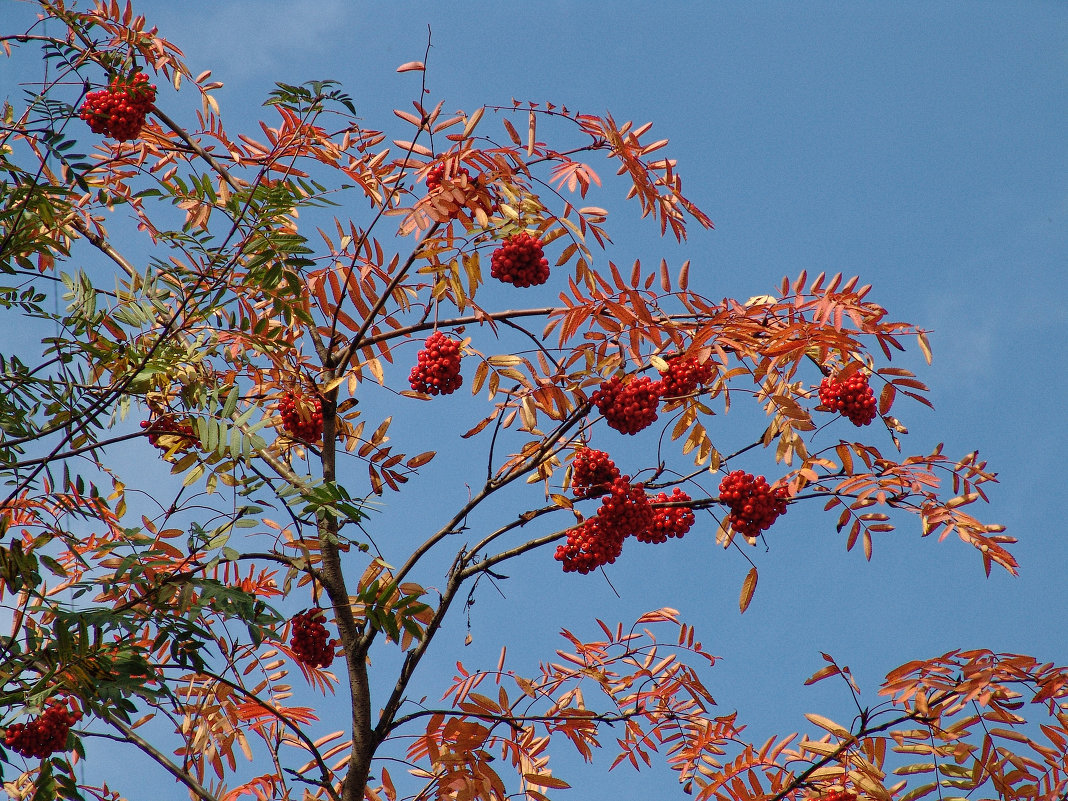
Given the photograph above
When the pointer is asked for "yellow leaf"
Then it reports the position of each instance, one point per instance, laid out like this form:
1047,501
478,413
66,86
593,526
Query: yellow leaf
962,500
826,772
329,385
472,121
829,725
531,133
380,433
826,749
868,784
562,501
528,413
925,346
748,587
375,366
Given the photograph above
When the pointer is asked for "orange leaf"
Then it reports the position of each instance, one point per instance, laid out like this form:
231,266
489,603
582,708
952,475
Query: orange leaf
886,398
822,673
512,133
748,587
542,780
420,459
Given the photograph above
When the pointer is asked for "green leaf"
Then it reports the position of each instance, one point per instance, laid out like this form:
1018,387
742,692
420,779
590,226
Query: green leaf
231,403
55,567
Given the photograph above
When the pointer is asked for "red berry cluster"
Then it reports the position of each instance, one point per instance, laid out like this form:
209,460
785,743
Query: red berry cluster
591,471
754,505
438,370
302,417
628,407
683,376
852,397
166,426
588,547
45,735
672,521
599,540
437,172
311,643
120,110
625,510
520,261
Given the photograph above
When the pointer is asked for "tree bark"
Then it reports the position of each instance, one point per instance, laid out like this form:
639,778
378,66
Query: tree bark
363,742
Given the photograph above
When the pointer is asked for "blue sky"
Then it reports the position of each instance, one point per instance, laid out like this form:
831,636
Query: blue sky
918,144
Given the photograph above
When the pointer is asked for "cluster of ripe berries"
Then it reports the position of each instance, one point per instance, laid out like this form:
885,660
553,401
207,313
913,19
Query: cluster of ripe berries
668,522
592,471
625,511
438,370
683,376
753,503
311,642
45,735
852,397
437,172
520,261
120,110
302,417
166,426
630,405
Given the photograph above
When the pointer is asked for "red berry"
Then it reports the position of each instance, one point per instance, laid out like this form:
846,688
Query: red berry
438,370
437,173
598,541
591,471
625,510
166,432
520,261
302,417
852,397
311,642
672,521
45,735
588,547
629,406
754,505
683,376
835,793
120,110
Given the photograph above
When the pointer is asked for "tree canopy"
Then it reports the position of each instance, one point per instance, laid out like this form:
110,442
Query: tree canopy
279,403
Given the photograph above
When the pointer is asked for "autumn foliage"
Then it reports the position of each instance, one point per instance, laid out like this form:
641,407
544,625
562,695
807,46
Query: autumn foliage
210,472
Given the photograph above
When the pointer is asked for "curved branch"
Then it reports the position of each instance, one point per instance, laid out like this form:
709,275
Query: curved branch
131,736
293,727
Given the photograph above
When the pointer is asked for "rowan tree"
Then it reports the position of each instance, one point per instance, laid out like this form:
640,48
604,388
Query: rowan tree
232,347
